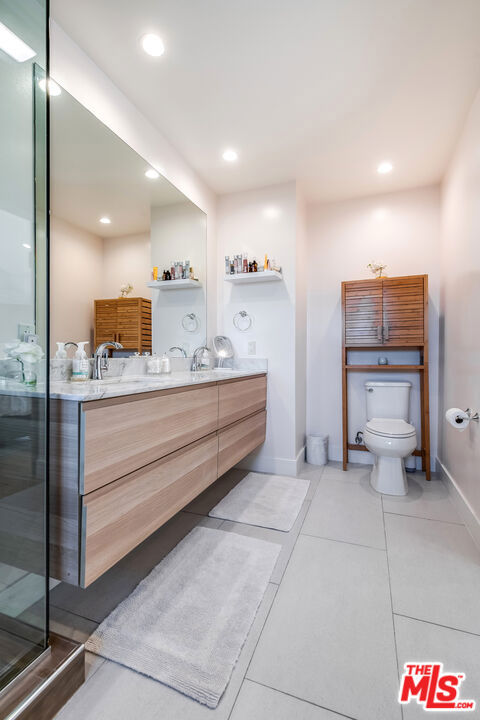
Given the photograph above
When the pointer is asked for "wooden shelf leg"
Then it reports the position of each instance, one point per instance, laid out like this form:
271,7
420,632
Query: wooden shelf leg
344,412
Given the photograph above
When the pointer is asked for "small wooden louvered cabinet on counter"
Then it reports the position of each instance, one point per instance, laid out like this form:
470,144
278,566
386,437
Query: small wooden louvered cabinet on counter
387,313
124,320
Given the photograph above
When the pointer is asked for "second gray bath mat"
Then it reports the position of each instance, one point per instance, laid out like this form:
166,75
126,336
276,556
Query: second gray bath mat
186,623
271,501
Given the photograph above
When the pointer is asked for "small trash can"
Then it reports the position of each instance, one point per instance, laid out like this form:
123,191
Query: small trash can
317,449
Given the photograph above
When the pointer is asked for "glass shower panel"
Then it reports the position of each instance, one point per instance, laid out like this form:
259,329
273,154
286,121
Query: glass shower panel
23,335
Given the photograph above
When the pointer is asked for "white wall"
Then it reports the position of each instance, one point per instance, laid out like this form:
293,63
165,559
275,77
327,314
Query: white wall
178,233
401,229
258,222
126,259
76,279
82,78
459,453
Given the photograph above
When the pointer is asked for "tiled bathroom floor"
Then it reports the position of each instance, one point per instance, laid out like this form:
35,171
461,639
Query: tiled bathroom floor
362,585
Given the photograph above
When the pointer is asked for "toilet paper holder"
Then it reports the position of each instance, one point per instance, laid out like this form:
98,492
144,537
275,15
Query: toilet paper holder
472,414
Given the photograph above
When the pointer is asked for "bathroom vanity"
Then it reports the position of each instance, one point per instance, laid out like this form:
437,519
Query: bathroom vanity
126,457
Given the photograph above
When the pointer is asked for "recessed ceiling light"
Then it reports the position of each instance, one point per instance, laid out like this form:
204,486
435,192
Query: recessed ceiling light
13,46
385,167
153,45
53,88
230,155
26,245
152,174
105,220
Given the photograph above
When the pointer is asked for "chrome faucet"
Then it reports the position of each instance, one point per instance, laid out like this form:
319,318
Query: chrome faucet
177,347
197,357
100,357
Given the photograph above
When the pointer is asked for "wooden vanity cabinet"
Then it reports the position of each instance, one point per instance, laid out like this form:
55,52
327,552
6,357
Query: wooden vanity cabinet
121,467
124,320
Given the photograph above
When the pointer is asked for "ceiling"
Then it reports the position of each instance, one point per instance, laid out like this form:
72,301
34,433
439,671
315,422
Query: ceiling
95,174
315,90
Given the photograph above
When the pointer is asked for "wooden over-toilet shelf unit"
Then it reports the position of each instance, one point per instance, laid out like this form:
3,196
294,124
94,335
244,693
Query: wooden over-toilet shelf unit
387,313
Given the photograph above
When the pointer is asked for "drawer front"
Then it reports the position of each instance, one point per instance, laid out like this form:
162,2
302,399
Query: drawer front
119,438
117,518
241,398
240,439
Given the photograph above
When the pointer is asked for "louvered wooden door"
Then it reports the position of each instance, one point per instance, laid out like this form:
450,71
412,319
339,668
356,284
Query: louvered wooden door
403,310
362,303
105,321
124,320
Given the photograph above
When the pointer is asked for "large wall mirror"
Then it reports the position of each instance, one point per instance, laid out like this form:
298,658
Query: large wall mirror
113,220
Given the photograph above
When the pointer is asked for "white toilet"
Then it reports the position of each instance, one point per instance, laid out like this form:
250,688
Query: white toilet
388,435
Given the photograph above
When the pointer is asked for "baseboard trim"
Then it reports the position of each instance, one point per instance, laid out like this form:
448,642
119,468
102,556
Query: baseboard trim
273,465
461,503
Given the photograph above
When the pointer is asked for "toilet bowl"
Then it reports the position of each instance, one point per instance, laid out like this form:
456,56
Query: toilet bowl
388,435
390,440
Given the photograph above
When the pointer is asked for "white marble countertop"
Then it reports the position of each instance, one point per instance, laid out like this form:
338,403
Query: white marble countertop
125,384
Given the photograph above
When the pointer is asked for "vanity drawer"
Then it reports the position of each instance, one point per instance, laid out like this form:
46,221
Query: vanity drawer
119,437
239,398
119,516
235,442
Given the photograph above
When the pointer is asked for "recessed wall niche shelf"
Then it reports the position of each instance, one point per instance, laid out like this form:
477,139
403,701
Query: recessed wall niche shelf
254,277
174,284
387,313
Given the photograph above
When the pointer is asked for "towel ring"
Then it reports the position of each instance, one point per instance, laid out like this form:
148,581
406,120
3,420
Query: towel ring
242,321
190,323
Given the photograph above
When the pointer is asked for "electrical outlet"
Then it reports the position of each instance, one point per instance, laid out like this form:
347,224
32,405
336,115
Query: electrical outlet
252,347
25,329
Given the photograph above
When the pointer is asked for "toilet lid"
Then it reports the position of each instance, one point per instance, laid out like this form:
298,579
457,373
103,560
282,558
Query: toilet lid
389,427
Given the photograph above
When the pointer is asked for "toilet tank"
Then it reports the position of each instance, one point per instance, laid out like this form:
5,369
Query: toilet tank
388,400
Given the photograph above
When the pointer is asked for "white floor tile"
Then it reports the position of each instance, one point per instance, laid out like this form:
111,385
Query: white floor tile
329,636
426,499
434,571
346,511
117,693
458,651
257,702
285,539
353,474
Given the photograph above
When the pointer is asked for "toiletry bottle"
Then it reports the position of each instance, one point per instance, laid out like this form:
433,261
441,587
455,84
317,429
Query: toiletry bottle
235,264
155,273
250,267
165,365
61,353
191,273
239,263
245,263
255,265
172,270
168,276
80,365
187,269
227,265
164,276
232,268
265,262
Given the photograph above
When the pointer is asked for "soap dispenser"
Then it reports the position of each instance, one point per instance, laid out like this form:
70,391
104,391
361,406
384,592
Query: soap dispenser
81,366
61,353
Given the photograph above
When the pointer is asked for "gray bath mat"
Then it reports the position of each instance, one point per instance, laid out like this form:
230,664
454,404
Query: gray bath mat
271,501
187,621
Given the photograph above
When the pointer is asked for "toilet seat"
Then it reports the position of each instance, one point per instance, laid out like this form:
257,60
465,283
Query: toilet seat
390,427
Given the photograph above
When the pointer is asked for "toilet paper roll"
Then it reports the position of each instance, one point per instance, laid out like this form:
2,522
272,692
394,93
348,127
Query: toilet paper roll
457,418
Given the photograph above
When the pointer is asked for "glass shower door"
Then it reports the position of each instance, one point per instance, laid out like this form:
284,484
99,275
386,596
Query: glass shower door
23,335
